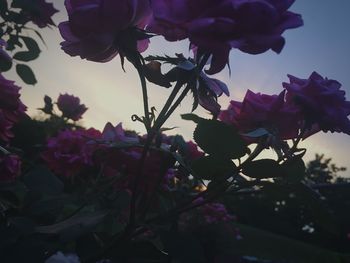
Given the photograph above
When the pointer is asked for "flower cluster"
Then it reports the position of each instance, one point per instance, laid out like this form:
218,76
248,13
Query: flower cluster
307,105
96,29
118,153
11,108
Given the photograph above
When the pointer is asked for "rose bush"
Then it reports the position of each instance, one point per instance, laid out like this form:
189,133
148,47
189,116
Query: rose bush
118,196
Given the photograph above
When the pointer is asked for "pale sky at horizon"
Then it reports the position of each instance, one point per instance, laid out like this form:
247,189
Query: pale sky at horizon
321,45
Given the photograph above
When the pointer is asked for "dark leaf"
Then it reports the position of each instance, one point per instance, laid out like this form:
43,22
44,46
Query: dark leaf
43,181
294,169
32,53
152,71
26,74
74,226
5,61
211,167
191,117
220,139
265,168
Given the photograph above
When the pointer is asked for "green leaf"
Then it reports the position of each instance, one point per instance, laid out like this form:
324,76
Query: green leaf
211,167
74,226
26,74
14,192
220,139
265,168
43,181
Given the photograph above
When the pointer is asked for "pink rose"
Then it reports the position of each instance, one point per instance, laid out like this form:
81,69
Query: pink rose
98,30
270,112
321,101
70,152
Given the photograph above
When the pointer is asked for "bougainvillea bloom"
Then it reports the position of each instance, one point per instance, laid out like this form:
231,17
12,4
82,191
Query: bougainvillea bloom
98,30
270,112
11,107
70,152
10,167
216,27
70,107
321,101
38,11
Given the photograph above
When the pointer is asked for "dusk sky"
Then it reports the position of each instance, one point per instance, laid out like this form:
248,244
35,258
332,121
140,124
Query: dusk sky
321,45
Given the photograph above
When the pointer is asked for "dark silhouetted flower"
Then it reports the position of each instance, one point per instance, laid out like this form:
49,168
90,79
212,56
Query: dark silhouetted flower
215,27
70,107
270,112
98,30
321,101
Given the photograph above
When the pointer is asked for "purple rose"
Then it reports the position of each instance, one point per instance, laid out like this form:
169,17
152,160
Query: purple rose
11,107
270,112
215,27
10,167
70,152
38,11
70,107
322,103
98,30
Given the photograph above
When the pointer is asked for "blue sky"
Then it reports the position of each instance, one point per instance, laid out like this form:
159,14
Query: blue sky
321,45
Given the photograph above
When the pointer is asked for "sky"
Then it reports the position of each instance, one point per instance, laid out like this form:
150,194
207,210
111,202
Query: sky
112,95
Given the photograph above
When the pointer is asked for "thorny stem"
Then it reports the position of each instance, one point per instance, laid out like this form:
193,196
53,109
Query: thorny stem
138,66
295,144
